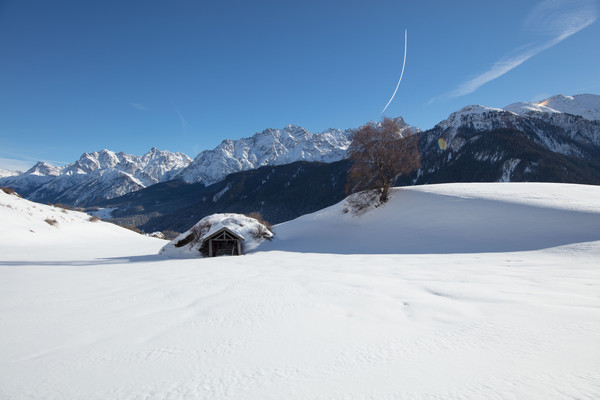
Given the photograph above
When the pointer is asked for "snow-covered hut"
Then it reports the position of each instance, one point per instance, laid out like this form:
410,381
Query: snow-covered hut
217,235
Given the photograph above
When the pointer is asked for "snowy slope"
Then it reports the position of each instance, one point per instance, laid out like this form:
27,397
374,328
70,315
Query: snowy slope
32,231
452,218
89,310
584,105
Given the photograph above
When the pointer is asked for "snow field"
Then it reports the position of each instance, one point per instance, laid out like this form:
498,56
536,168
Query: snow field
312,326
452,218
25,236
116,320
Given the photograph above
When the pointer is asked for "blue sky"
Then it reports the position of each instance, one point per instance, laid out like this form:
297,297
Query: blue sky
80,76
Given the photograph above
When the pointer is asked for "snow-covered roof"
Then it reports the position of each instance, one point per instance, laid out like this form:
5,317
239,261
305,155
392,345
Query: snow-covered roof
213,233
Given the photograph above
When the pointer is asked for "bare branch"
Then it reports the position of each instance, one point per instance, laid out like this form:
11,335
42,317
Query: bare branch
380,156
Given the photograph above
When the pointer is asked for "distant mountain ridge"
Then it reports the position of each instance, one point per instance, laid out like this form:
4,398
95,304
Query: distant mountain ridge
554,139
545,125
272,147
106,175
5,173
96,176
269,147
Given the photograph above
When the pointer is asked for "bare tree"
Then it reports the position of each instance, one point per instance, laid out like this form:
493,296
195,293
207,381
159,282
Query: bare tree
381,154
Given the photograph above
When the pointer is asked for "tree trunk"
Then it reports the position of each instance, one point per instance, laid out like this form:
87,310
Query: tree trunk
384,193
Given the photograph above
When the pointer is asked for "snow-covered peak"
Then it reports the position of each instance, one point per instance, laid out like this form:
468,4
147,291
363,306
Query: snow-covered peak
107,158
474,117
162,163
272,147
482,117
155,153
5,172
269,147
541,120
89,162
476,109
44,169
467,113
584,105
149,168
154,150
101,174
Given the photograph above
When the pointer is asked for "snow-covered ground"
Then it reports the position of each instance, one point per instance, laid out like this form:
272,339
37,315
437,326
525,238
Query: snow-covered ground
459,291
453,218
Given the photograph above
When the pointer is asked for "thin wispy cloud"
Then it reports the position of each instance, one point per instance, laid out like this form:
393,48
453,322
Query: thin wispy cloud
555,19
138,106
18,156
185,126
12,164
16,162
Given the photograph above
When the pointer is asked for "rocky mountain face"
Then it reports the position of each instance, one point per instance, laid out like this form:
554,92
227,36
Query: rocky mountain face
96,176
273,147
269,147
523,142
32,179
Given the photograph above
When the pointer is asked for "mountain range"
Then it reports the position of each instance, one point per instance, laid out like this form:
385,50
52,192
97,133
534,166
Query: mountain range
522,142
105,175
557,139
97,176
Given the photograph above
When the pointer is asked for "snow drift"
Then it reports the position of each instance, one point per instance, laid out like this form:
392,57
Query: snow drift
451,218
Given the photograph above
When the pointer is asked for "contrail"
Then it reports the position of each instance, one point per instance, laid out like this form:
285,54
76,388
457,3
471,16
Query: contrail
402,73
